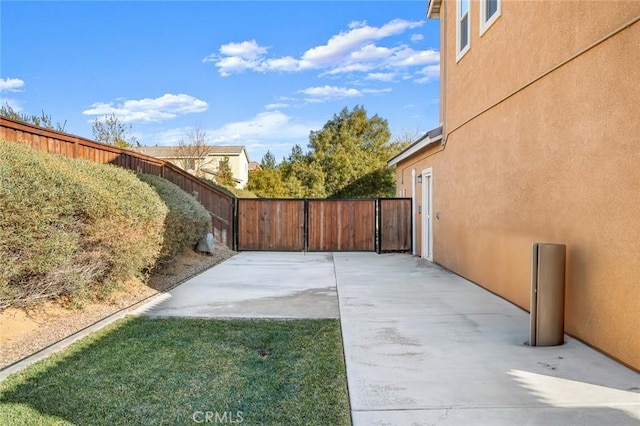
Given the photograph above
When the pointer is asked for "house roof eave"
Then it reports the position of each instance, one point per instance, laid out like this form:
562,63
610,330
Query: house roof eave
429,138
433,9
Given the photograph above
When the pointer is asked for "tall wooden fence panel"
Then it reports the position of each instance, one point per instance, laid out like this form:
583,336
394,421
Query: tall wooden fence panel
395,228
342,225
218,203
271,224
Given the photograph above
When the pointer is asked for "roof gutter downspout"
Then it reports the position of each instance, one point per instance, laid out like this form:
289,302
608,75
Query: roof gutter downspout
413,211
443,73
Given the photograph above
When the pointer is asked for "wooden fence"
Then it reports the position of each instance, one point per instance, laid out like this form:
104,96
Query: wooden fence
271,224
219,204
324,225
394,226
342,225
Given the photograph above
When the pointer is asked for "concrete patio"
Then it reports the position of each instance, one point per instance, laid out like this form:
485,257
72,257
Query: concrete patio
422,345
256,285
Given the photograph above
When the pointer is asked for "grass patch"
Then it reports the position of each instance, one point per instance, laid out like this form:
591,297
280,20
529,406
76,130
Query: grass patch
166,371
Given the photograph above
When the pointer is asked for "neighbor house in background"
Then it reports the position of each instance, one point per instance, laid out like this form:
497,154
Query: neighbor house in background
254,166
540,114
206,162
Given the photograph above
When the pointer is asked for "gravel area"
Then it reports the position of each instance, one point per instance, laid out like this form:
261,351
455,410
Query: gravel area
26,331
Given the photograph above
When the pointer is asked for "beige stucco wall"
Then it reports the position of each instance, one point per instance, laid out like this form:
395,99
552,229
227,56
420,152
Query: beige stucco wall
240,168
559,161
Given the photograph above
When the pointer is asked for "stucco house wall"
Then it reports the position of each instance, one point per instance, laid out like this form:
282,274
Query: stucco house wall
240,168
541,119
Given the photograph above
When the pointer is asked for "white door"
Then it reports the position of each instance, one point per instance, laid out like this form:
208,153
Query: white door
427,216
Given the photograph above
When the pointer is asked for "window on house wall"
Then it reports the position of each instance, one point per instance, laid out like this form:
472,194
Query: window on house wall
463,31
489,11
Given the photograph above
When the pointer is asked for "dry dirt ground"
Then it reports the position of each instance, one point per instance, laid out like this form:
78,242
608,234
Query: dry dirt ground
26,331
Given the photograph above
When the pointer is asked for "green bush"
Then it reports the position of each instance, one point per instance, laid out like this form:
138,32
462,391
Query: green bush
187,220
72,227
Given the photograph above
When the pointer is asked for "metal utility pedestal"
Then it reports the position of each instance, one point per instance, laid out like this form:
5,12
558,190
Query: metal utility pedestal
547,294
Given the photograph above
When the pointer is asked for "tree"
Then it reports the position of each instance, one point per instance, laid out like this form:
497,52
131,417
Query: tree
302,177
42,120
192,151
347,158
406,137
267,183
111,131
296,154
351,146
225,175
268,161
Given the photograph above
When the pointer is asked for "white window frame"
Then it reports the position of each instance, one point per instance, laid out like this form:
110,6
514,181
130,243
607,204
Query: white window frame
485,23
460,50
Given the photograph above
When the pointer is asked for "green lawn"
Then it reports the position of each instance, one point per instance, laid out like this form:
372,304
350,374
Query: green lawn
181,371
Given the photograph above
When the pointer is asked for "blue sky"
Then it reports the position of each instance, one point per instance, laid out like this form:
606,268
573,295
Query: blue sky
260,74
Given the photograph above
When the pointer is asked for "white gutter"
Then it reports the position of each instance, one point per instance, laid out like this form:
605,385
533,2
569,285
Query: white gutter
417,146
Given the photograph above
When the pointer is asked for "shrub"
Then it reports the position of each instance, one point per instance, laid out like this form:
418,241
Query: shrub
187,220
72,227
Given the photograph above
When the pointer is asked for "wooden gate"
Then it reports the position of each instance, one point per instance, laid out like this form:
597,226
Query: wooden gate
324,225
394,226
270,224
342,225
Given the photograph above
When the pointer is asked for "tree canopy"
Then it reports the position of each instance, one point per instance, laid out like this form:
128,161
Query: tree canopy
268,161
111,131
42,120
347,158
192,150
225,175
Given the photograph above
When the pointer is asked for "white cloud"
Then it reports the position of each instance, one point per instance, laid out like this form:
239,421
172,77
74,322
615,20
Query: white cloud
321,94
381,76
269,130
165,107
237,57
350,51
246,49
376,91
266,125
340,46
357,24
11,85
429,73
286,63
326,93
406,56
416,37
371,58
276,105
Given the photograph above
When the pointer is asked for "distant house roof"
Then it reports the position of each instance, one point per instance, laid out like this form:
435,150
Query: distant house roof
174,151
254,165
432,136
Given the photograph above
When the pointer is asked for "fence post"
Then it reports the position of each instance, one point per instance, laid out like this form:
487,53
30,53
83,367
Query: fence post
305,232
378,217
235,207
